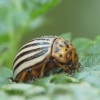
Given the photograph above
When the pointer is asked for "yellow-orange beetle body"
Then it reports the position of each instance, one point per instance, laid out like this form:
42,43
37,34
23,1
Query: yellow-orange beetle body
41,55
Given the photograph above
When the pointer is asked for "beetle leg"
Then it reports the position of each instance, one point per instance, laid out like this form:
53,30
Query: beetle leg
66,69
22,77
12,80
42,70
79,65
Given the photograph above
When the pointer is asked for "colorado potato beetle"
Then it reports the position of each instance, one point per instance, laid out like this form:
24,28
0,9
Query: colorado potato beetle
41,55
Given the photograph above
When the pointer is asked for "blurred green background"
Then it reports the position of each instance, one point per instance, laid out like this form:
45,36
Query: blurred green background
80,17
22,20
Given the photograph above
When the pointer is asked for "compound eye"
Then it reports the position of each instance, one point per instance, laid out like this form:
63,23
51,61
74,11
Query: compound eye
69,58
69,62
69,55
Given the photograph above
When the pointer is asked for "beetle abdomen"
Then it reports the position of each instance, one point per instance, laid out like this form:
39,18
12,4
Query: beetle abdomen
32,53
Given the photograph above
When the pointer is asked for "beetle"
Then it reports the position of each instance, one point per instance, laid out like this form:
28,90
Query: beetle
41,55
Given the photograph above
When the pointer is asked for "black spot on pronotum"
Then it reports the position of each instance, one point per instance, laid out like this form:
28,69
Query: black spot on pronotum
66,45
65,49
60,45
57,49
60,55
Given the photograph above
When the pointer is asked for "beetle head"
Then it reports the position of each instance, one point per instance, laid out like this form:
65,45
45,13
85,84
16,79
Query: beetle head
72,58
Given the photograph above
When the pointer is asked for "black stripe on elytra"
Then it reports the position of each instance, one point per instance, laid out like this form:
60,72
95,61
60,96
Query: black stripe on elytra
31,66
31,58
34,44
28,52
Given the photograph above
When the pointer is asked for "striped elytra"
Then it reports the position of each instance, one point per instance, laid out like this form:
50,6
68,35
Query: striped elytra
41,55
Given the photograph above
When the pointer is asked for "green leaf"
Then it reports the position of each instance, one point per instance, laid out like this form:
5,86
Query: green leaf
82,91
81,45
41,7
64,79
97,39
4,74
90,70
4,46
92,56
4,96
17,15
66,36
72,90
